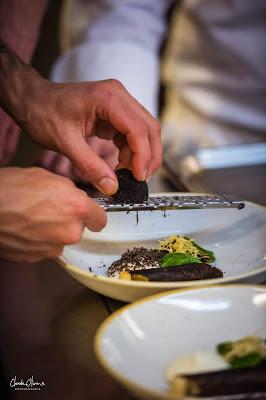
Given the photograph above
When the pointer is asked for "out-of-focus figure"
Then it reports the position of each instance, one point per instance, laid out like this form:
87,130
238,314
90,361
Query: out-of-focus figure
213,66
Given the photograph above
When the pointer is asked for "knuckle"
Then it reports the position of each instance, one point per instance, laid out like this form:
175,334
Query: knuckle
115,83
140,133
74,205
112,87
142,129
82,206
157,162
156,127
91,170
65,180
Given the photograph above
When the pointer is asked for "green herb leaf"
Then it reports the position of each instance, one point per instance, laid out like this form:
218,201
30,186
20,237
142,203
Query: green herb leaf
205,255
172,259
248,360
224,347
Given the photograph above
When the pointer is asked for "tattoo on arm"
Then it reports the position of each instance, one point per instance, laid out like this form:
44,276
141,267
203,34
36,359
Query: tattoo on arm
9,61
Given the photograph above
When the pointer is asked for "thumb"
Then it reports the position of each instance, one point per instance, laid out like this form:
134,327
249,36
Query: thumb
92,167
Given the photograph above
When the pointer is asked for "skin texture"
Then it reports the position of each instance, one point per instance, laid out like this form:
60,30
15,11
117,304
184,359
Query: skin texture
43,213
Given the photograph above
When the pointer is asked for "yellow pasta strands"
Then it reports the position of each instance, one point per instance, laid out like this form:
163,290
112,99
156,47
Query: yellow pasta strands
179,244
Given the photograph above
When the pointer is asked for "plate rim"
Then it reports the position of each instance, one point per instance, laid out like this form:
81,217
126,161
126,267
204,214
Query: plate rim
92,276
106,323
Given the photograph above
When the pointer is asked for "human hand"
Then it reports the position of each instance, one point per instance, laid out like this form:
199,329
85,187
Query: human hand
56,162
105,149
9,136
62,116
40,212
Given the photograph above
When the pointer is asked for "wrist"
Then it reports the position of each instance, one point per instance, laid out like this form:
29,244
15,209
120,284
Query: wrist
21,43
18,84
28,94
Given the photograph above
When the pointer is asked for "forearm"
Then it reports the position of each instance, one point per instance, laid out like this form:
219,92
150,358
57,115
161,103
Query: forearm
20,22
18,81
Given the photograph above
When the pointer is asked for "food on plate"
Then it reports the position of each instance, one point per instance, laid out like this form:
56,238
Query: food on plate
182,244
246,352
196,362
224,382
235,367
130,190
177,259
136,259
173,259
186,272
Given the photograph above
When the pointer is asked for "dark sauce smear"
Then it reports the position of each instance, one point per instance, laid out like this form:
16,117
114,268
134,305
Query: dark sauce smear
185,272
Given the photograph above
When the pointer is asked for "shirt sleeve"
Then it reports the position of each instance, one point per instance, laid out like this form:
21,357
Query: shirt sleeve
121,41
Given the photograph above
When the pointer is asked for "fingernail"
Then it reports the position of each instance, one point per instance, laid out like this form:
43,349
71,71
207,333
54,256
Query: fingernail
144,176
108,186
148,178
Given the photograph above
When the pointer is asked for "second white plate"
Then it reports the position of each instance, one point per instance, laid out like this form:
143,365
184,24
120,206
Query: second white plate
137,343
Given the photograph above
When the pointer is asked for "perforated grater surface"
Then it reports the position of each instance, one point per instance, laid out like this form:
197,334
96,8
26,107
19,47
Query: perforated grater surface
173,203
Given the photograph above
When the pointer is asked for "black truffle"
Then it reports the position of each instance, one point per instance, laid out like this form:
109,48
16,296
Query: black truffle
130,190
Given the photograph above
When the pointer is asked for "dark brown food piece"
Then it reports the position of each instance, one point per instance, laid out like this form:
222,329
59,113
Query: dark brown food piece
186,272
130,190
231,381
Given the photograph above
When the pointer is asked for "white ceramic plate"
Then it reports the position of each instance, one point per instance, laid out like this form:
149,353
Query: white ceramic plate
237,238
137,343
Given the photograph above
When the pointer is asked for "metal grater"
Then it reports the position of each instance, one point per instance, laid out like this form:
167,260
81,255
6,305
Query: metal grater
173,203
